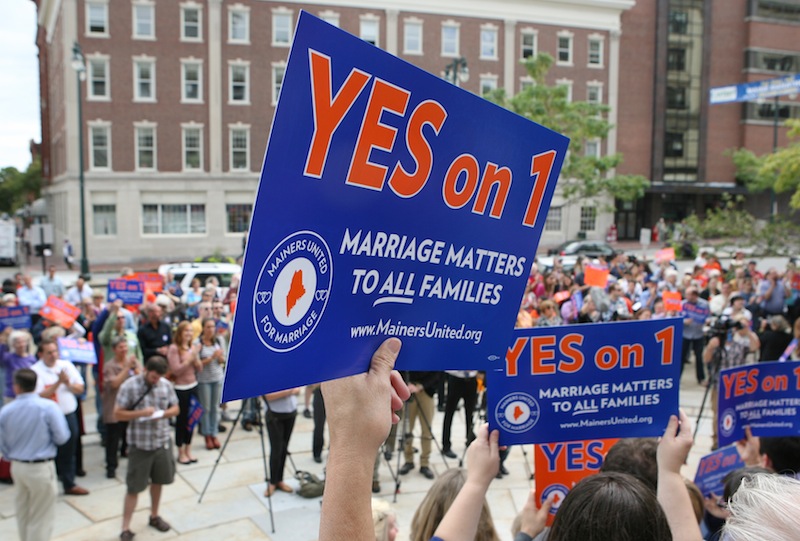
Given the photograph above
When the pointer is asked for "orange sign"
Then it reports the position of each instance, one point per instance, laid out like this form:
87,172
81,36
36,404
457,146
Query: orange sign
672,301
559,466
595,276
153,282
60,312
665,254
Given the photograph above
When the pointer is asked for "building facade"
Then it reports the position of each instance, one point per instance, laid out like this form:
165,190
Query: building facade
177,99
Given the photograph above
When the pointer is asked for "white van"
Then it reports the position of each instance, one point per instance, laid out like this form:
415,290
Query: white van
186,272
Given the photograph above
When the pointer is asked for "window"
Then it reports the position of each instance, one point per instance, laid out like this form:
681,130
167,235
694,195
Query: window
99,89
278,70
781,11
145,147
489,43
772,60
591,148
588,218
450,38
564,49
100,146
676,97
488,83
240,141
96,19
528,43
192,81
144,21
594,93
567,84
192,148
676,59
281,28
553,220
104,220
238,24
144,79
678,21
191,23
673,145
595,52
238,217
330,17
525,83
368,29
412,37
173,219
239,83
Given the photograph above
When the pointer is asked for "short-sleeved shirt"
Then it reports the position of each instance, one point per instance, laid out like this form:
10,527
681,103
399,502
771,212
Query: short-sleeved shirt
213,371
47,377
147,435
111,369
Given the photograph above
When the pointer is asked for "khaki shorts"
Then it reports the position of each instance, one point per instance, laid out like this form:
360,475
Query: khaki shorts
157,466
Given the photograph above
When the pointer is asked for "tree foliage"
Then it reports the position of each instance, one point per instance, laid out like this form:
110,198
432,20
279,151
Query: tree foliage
582,176
777,170
18,188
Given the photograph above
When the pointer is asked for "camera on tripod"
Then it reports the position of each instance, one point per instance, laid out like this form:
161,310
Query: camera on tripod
720,327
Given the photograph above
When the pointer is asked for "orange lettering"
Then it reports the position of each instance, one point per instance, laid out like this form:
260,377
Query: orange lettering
407,184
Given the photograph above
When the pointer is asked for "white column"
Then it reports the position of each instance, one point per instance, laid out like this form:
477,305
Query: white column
391,31
509,57
69,35
216,76
613,88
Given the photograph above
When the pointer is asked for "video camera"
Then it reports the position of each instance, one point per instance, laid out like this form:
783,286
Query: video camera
720,327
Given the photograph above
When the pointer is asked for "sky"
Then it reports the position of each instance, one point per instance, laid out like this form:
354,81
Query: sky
19,89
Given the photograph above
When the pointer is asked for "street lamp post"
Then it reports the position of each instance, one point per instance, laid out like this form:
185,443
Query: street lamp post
456,71
79,65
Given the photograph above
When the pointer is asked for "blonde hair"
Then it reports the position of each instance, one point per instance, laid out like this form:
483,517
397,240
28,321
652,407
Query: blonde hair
436,503
381,513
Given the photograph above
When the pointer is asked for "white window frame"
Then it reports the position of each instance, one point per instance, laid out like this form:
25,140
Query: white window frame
233,65
229,204
188,206
137,62
282,13
199,63
412,22
534,34
143,4
492,32
199,9
243,10
238,127
145,125
100,125
598,85
554,219
567,83
330,17
570,50
184,128
88,32
276,66
371,20
95,231
487,81
587,146
587,214
457,27
600,41
90,74
525,82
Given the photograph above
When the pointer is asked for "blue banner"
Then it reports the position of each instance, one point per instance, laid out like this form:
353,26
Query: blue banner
698,314
77,351
765,396
16,317
391,203
131,292
756,90
714,467
583,382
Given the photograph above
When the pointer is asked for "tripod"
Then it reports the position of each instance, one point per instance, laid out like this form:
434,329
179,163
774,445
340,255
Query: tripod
258,422
720,354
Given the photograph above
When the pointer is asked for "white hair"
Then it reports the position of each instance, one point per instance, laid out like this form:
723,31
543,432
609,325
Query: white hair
766,507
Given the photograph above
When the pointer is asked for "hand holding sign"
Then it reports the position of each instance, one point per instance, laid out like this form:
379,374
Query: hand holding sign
533,519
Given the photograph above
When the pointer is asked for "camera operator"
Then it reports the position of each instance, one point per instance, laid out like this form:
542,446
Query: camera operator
736,339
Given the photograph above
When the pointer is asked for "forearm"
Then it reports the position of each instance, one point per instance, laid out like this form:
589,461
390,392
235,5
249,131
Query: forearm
128,415
461,520
674,500
346,506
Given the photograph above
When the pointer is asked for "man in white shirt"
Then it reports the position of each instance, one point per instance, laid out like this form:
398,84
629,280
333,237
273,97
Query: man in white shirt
52,284
80,293
59,380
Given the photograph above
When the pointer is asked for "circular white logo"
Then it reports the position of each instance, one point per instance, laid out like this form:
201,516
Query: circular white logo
560,492
517,412
292,291
727,422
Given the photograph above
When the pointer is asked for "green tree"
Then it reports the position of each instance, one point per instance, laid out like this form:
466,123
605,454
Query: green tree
18,188
777,170
581,176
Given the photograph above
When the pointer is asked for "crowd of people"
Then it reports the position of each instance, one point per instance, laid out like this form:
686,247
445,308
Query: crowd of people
159,362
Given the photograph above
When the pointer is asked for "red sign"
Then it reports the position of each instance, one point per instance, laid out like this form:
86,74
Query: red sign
595,276
672,301
60,312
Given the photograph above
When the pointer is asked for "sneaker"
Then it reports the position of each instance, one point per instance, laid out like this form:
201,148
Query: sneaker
159,524
426,471
407,467
449,453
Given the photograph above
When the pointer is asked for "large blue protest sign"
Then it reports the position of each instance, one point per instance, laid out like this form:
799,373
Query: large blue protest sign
583,382
391,203
713,468
77,351
765,396
16,317
130,292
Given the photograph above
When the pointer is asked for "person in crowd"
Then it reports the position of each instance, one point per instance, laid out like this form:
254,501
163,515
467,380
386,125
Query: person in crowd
52,284
17,356
209,380
764,507
173,290
184,364
422,385
281,415
737,306
634,456
9,300
695,311
68,253
80,293
719,302
318,437
31,429
146,402
223,320
193,298
205,311
32,296
117,368
155,335
617,307
59,380
775,338
549,316
115,326
461,385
